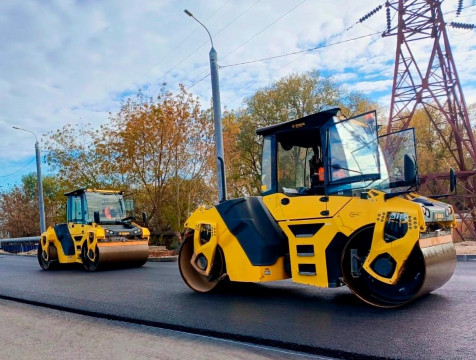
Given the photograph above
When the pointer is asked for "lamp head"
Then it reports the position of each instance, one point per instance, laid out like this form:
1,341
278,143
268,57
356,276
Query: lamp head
188,13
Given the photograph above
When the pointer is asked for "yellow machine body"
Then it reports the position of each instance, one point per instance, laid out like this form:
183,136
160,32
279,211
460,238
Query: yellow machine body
388,246
97,232
346,216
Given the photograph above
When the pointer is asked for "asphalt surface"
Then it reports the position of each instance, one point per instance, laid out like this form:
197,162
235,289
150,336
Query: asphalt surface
330,322
35,333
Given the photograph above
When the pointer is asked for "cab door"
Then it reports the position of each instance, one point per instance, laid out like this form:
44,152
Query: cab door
76,222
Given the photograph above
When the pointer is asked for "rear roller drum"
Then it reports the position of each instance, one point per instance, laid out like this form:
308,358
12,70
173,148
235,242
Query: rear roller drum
45,258
372,290
192,278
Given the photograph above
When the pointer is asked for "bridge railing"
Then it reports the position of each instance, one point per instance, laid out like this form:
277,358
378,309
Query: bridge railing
19,245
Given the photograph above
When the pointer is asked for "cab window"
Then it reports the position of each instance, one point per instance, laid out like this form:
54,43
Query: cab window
266,166
75,209
293,168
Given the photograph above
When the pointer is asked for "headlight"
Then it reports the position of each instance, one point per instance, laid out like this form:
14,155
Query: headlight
396,226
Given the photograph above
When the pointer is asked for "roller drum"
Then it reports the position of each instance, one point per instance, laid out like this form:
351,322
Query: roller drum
429,266
440,263
123,253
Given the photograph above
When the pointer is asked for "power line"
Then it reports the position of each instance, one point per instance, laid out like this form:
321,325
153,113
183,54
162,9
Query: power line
258,33
205,42
301,51
365,17
17,171
449,12
195,83
234,20
183,40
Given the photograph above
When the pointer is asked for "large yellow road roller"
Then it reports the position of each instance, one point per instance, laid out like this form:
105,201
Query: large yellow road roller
97,232
338,207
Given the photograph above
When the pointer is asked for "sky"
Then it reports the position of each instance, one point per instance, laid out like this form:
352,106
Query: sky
75,61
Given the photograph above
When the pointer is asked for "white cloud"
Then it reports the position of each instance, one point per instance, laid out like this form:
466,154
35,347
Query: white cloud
66,61
367,87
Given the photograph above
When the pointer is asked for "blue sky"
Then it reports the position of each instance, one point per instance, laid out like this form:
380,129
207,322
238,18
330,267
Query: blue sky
66,61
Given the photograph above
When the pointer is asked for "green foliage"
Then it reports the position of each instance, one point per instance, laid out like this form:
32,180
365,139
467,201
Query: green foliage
289,98
162,150
157,148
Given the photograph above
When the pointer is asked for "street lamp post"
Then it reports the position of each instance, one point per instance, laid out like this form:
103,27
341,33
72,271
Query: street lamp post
216,116
39,179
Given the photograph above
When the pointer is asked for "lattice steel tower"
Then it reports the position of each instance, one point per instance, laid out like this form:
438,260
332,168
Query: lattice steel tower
433,84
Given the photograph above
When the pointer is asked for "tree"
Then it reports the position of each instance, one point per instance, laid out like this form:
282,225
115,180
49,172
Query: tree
71,153
19,206
157,148
289,98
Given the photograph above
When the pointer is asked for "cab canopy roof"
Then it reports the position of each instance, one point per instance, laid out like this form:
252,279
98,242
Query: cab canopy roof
83,190
308,122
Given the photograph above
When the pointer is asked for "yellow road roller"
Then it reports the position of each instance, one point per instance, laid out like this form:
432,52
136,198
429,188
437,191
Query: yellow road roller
97,232
338,207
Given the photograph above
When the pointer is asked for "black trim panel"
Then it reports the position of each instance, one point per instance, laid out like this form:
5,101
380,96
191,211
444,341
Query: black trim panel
259,235
333,259
64,237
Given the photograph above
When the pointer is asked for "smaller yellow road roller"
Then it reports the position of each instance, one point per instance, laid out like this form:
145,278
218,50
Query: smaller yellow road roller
97,232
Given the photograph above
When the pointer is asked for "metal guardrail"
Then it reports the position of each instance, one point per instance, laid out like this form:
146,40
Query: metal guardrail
18,245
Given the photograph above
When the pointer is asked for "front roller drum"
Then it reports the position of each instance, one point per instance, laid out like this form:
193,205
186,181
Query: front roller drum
191,277
427,268
126,254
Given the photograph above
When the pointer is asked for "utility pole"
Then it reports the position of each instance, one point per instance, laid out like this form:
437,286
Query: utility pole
433,84
41,203
216,115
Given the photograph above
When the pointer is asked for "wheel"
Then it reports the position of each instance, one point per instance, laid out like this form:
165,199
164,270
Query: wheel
373,291
44,259
88,263
194,280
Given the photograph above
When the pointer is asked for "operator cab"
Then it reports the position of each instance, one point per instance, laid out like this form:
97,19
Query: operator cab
326,153
85,206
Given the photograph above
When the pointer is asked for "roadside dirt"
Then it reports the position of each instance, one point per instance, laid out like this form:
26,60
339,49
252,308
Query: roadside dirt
161,252
466,248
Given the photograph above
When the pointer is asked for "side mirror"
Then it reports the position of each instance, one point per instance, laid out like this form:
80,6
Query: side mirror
96,217
144,218
452,181
409,169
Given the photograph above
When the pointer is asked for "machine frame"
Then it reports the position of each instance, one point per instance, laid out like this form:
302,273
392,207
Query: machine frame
366,228
97,232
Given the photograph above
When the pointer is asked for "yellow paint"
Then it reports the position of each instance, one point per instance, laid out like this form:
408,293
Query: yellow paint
340,214
84,230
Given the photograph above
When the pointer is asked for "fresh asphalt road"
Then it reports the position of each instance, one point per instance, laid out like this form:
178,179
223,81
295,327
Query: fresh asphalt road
326,321
36,333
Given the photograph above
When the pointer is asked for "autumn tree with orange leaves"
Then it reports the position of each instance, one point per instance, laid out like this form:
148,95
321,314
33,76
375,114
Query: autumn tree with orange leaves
157,148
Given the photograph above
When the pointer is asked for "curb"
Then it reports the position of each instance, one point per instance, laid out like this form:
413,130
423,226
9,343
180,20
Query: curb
163,259
466,257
